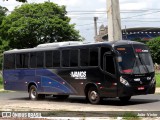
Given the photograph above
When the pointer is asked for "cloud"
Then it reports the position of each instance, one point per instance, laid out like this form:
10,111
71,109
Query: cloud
11,4
68,2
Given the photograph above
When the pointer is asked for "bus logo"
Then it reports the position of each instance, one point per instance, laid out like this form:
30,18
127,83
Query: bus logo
78,74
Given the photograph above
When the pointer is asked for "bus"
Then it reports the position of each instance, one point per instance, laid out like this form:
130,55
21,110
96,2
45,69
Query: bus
119,69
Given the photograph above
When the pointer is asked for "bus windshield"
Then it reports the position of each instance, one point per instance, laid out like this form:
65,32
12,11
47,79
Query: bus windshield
136,59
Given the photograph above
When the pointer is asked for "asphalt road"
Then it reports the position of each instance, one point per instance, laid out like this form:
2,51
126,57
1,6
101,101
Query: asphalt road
20,101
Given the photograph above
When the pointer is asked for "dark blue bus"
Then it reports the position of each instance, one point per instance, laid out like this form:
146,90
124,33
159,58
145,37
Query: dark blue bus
96,70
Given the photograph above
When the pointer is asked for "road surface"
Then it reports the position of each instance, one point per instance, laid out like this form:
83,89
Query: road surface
20,101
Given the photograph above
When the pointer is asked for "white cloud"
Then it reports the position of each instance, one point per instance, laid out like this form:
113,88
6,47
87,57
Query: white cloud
11,4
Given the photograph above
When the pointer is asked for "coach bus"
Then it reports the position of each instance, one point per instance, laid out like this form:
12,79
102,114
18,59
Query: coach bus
96,70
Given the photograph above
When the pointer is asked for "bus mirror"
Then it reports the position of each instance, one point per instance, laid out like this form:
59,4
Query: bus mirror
119,59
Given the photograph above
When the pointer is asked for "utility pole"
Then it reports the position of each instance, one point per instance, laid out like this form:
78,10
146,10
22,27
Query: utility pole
114,20
95,25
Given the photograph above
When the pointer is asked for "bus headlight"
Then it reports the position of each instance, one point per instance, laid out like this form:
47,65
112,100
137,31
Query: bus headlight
123,81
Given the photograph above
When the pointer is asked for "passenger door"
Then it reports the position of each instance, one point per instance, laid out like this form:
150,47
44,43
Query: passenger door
109,69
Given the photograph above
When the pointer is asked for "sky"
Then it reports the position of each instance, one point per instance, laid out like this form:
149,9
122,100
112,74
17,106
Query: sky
134,13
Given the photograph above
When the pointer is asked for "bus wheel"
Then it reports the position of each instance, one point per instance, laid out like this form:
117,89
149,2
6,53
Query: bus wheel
61,97
93,95
125,99
33,94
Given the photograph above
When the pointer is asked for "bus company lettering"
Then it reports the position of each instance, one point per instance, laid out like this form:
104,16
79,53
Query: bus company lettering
78,74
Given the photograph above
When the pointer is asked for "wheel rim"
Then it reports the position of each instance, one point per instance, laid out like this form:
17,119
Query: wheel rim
93,95
33,93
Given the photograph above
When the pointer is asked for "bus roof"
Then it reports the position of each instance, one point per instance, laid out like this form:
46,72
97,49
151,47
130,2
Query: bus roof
69,44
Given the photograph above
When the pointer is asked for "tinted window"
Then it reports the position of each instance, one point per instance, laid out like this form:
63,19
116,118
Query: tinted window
74,58
33,60
56,58
22,60
65,58
19,60
109,65
25,60
9,61
49,59
94,57
103,51
40,59
84,57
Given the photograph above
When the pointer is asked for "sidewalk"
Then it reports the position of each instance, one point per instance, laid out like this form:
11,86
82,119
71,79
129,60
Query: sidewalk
158,90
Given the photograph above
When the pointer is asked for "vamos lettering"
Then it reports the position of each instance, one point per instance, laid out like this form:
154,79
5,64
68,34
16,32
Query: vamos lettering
78,74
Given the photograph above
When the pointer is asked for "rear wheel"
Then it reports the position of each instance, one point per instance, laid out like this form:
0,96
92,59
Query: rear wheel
33,94
125,99
93,95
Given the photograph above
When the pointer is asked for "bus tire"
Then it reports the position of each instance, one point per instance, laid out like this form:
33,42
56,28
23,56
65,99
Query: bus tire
93,95
125,99
61,97
33,94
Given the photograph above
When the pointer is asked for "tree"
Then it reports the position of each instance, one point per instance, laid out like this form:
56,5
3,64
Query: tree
3,44
33,24
154,46
3,11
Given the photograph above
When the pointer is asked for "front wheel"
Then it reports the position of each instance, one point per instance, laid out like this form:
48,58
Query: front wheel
33,94
125,99
93,95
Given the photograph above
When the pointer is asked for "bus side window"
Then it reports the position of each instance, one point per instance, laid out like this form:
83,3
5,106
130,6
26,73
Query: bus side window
19,60
93,57
33,60
84,57
25,60
109,64
40,59
56,58
48,59
9,61
65,58
103,51
22,60
107,61
74,58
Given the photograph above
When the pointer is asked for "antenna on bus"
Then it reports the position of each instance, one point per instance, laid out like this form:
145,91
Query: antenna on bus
59,44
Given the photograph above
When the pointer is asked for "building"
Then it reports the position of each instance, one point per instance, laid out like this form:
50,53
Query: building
141,33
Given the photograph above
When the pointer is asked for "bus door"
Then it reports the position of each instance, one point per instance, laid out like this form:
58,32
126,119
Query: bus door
109,69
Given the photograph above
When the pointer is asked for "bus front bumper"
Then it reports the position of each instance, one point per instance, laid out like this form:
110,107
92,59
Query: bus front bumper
136,90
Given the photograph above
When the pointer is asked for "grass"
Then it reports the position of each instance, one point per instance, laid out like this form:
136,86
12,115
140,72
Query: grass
157,79
130,116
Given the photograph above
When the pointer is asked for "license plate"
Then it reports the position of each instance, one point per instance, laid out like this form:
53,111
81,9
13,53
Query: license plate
140,88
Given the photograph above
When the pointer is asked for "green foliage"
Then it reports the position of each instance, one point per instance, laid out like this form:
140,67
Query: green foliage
157,79
154,46
3,11
33,24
